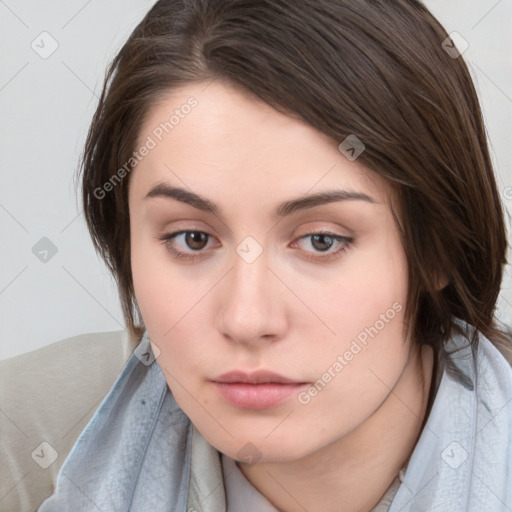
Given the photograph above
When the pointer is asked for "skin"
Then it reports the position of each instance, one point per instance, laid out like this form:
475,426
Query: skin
288,311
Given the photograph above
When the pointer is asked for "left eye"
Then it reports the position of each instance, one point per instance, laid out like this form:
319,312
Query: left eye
322,243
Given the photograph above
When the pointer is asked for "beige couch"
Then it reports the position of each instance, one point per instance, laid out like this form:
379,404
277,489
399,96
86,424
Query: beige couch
46,398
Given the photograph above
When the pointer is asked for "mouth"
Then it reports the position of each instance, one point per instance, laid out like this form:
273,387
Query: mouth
259,390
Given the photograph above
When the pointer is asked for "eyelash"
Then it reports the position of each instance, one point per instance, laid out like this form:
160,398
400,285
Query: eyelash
346,243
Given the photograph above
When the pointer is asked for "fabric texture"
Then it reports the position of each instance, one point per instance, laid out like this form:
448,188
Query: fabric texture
47,397
140,452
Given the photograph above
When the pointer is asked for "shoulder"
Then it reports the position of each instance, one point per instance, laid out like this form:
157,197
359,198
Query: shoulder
47,397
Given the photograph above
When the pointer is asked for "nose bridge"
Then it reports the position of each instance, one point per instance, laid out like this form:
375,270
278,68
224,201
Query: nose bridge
249,285
250,272
249,309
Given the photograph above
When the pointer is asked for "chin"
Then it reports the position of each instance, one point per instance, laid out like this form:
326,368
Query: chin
258,449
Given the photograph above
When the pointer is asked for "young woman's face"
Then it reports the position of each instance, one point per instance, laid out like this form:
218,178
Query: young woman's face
257,246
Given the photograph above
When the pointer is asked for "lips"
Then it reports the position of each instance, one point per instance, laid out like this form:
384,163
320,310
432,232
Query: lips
258,390
257,377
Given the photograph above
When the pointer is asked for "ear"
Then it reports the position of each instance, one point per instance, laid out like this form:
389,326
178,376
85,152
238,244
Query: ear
441,281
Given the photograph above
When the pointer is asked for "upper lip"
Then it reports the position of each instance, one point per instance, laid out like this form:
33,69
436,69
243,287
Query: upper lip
257,377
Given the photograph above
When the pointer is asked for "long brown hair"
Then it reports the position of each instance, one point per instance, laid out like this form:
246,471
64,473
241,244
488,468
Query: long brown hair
375,69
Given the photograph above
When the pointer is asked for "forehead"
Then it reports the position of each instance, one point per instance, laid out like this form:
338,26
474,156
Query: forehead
212,136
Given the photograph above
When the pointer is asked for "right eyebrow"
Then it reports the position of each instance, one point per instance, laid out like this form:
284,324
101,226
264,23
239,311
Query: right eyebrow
180,194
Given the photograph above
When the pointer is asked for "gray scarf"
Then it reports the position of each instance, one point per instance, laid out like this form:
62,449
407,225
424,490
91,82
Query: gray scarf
135,453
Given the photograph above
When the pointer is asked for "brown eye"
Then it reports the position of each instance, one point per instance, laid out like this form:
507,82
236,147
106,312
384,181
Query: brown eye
196,240
187,245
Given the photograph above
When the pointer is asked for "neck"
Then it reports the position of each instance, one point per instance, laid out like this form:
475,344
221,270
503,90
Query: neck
354,472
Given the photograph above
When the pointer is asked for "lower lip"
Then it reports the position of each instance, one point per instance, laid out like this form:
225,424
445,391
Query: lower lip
256,396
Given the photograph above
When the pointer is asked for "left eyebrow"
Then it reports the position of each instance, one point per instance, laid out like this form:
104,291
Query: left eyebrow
284,209
330,196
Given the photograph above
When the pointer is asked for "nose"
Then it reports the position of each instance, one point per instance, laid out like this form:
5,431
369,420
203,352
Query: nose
251,306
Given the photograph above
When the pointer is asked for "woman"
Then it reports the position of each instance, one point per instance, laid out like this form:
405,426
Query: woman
297,202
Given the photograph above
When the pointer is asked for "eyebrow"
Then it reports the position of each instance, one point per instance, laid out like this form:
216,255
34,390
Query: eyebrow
284,209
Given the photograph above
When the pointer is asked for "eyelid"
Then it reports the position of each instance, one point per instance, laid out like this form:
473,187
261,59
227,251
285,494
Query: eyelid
168,237
347,242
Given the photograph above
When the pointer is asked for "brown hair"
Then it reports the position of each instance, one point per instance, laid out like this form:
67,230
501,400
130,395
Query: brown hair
371,68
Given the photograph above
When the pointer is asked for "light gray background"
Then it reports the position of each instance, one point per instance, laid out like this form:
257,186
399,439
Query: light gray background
46,106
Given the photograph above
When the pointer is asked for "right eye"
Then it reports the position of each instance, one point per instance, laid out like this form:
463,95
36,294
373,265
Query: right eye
186,244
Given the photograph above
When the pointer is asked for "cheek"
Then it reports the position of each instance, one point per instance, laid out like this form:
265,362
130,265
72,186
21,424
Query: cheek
370,290
171,309
358,365
159,299
364,306
159,286
149,282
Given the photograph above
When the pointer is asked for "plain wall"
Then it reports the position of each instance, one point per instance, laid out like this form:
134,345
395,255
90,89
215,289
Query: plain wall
46,104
